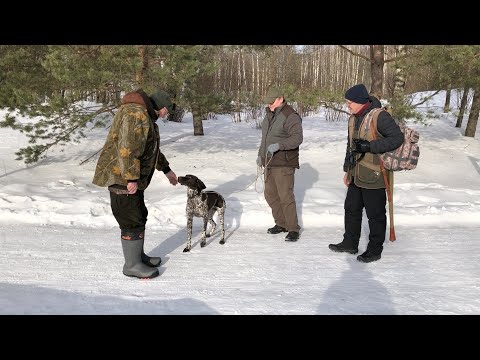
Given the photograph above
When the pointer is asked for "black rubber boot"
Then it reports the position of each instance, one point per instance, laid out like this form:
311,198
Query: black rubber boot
152,261
132,251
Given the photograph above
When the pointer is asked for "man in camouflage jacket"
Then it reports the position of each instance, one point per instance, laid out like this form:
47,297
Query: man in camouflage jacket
126,165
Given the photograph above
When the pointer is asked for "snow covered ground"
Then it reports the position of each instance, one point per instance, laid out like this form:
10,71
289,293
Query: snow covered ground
61,252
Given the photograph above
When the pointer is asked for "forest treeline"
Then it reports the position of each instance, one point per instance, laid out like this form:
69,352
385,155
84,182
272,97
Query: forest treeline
64,87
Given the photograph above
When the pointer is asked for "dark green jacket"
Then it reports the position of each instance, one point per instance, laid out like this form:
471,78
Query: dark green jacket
283,126
132,148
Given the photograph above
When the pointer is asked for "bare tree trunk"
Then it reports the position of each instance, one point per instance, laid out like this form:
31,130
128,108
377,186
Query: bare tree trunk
333,67
336,66
377,58
325,64
239,108
302,74
399,87
356,66
253,72
265,75
244,72
344,68
259,90
446,107
463,105
473,116
231,70
197,121
140,76
239,71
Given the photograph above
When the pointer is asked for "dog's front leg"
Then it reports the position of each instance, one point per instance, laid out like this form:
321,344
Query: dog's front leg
189,233
204,233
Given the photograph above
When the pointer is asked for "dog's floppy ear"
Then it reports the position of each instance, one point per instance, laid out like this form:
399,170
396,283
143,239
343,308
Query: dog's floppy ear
200,185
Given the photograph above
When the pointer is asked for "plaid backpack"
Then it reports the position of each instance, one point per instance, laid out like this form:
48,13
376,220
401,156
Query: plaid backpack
405,157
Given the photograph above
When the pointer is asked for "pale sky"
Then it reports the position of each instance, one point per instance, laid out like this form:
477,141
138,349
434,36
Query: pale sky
61,250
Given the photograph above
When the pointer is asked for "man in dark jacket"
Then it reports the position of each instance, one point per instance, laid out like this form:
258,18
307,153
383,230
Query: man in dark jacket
366,186
282,134
126,165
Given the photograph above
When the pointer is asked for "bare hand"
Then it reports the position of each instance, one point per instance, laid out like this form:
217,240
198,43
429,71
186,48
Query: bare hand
172,177
345,180
132,187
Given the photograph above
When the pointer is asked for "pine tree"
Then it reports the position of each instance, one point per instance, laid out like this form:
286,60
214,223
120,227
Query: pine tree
54,84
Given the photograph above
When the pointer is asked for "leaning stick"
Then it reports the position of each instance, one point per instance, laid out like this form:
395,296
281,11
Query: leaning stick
389,193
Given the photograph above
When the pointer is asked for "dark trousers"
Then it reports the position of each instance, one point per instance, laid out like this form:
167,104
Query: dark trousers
130,212
374,201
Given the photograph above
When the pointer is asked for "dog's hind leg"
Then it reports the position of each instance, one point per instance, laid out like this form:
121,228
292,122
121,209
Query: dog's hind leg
204,233
221,216
189,234
213,225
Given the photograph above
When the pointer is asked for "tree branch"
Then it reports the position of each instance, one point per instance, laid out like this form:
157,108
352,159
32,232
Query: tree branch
91,156
329,106
354,53
427,98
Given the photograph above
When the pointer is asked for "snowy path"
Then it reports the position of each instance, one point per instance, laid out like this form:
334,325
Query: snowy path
53,270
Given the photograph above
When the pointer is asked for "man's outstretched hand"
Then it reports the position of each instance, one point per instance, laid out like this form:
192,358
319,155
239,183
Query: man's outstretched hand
172,177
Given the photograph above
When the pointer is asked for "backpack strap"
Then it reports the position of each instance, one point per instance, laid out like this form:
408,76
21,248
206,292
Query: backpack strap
351,129
372,122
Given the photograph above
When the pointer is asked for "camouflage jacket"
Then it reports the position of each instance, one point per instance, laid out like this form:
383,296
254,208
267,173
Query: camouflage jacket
132,148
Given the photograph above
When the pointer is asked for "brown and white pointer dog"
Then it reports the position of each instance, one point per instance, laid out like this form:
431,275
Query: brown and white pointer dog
202,204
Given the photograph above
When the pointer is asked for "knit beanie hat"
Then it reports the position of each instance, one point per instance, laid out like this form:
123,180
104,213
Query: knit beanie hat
357,94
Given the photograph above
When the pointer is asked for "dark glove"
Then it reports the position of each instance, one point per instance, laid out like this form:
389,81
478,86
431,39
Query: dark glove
362,146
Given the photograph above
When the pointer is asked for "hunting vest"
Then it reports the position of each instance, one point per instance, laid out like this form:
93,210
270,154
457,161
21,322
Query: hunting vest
273,132
366,172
